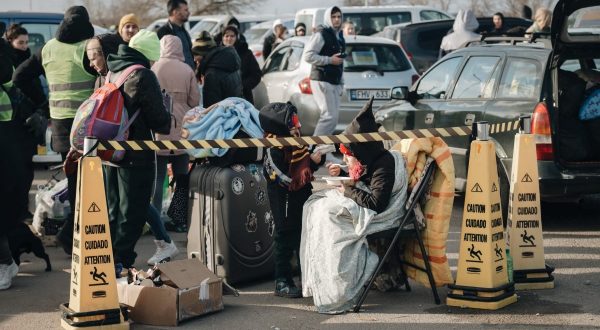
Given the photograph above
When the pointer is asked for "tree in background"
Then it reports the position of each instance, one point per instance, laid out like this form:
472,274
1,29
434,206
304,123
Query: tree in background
108,13
479,7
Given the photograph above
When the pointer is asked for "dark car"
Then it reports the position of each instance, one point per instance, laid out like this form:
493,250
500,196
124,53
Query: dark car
422,41
500,82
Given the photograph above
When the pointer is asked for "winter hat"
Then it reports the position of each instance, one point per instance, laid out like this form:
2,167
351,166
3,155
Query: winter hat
147,43
276,118
275,23
110,43
129,18
75,26
364,122
203,44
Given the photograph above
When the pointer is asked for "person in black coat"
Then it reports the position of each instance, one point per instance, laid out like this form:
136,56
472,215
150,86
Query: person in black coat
250,70
179,13
218,70
289,172
274,38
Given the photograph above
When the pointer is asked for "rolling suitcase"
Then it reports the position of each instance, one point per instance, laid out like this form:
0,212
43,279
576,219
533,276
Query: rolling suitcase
232,227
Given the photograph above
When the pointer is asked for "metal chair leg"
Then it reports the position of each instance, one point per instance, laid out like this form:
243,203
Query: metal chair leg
436,296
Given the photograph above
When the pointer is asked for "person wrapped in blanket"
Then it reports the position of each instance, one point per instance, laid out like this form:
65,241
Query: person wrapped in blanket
289,172
335,257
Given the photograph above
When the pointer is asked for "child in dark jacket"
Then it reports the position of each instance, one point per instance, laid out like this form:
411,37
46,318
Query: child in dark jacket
289,172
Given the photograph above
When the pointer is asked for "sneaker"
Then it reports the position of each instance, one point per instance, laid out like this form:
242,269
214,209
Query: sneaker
287,289
7,272
164,251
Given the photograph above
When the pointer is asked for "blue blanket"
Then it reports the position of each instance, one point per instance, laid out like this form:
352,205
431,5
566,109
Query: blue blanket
223,122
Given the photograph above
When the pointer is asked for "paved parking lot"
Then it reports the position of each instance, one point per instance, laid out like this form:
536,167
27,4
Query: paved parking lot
571,237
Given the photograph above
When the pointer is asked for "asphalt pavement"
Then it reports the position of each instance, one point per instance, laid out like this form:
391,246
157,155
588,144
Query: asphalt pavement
572,245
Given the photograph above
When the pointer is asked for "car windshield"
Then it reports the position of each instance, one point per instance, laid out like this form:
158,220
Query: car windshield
376,57
254,36
584,21
370,23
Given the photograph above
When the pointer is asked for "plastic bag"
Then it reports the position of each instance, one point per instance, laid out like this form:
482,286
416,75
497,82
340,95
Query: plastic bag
52,202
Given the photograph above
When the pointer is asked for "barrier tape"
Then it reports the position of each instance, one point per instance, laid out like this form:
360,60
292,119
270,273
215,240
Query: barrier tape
138,145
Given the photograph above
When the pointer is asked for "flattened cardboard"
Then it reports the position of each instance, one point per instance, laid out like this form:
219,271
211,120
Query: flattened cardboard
187,273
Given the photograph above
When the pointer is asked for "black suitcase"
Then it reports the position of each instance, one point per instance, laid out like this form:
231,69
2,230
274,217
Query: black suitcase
232,227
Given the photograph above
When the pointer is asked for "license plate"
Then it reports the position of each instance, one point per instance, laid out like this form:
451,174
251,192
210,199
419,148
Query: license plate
365,94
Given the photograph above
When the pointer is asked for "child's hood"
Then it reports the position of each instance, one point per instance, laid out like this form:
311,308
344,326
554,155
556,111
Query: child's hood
274,118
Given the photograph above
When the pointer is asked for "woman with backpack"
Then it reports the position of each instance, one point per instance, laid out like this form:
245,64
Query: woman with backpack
129,186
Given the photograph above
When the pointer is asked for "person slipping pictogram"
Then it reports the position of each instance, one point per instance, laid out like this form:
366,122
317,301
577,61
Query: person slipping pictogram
474,253
498,251
98,277
528,239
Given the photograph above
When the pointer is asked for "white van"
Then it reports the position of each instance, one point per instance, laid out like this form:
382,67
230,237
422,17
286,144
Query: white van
369,20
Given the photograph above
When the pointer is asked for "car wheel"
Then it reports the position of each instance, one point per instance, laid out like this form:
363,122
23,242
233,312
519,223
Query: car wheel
504,191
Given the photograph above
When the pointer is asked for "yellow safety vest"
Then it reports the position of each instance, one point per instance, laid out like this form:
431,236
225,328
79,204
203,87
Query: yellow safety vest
69,84
6,110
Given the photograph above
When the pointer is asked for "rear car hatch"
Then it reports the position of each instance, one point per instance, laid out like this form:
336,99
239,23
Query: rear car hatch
575,36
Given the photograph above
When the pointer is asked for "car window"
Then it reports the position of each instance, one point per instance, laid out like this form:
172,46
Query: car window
294,59
431,39
276,59
370,23
474,77
435,83
521,79
377,57
39,34
429,15
584,21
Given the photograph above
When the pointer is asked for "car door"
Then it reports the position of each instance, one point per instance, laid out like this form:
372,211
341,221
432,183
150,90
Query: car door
432,90
466,104
271,88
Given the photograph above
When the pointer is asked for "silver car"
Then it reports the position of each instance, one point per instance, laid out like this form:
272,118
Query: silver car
373,66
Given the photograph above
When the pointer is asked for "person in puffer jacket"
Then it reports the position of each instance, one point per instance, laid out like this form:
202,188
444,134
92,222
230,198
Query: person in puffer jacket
218,70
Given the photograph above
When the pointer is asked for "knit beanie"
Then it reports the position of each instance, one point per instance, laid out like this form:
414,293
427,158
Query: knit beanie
203,44
129,18
147,43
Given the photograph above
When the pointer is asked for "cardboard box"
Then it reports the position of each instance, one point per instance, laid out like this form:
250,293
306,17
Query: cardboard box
198,292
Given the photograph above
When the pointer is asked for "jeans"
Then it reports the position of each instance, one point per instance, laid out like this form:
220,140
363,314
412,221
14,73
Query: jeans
157,225
179,165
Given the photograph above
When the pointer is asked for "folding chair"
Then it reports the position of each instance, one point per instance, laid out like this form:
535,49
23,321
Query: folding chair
409,227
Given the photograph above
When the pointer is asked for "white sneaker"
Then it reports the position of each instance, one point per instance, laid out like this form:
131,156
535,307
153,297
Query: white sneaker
7,272
164,250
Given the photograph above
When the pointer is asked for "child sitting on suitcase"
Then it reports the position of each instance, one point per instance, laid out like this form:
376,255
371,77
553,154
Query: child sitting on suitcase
289,172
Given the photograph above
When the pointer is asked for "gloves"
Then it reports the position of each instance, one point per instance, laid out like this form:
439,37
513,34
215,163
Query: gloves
36,124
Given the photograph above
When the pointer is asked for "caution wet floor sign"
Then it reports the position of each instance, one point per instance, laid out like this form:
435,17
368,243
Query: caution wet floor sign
482,278
525,219
93,291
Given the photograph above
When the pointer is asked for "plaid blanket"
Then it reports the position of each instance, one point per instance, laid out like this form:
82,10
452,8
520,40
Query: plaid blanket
437,210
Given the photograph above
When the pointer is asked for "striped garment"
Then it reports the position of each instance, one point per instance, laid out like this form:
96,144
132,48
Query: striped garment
437,210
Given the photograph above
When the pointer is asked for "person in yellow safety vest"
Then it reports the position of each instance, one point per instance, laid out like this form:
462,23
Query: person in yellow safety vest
70,82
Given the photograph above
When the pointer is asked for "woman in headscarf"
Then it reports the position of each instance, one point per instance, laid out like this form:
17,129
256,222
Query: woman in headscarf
463,31
250,70
542,19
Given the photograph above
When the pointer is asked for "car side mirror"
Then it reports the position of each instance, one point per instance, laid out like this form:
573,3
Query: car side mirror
399,93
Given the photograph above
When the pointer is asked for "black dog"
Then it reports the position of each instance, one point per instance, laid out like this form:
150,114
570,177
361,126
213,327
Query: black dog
22,240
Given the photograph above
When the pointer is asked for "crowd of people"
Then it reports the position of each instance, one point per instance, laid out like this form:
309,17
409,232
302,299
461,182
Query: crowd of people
146,66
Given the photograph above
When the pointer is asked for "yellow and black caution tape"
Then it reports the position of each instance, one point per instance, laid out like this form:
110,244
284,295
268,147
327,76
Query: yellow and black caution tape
135,145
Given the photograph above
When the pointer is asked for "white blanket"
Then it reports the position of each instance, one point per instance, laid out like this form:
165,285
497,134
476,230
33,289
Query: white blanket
334,254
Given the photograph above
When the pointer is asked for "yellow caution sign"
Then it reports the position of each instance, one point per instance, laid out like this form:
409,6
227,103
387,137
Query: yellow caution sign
524,229
482,277
93,303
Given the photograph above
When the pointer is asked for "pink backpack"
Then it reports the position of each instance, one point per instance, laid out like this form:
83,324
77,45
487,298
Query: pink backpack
104,116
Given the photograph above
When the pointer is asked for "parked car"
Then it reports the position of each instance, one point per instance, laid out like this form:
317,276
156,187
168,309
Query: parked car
192,21
215,23
372,67
369,20
255,36
422,41
500,82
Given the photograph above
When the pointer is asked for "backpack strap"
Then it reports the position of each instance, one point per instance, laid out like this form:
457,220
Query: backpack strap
124,75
